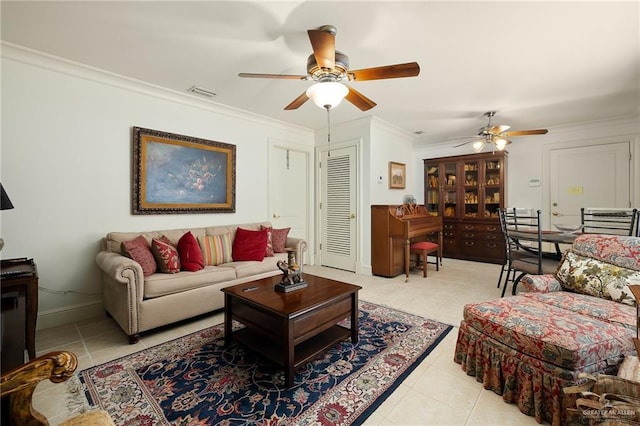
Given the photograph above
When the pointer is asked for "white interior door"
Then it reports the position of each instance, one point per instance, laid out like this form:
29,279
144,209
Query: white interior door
338,215
588,176
289,190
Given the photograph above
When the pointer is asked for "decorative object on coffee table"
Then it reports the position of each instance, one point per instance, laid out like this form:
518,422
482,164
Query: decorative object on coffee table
292,273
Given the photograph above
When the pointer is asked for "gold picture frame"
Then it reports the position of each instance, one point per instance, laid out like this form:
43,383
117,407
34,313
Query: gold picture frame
397,175
181,174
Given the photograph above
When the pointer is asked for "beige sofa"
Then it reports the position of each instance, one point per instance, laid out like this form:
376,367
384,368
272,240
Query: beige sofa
139,303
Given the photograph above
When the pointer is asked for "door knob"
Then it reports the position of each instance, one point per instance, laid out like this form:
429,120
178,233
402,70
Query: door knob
555,213
276,216
352,216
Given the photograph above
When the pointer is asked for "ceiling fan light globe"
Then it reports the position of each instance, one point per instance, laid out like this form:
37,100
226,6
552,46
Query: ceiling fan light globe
501,143
478,145
328,94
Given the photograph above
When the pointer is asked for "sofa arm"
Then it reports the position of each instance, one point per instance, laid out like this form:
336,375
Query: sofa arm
120,268
541,283
123,290
300,245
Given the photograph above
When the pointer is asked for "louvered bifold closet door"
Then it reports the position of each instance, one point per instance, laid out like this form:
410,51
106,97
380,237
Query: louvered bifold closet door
338,209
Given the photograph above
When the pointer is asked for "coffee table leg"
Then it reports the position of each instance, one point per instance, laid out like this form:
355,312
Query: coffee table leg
289,355
354,318
227,320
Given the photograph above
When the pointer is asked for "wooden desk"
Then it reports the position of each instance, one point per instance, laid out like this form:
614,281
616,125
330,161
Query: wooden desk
391,237
19,281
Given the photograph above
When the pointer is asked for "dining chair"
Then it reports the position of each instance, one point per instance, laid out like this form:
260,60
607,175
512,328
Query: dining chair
512,249
609,221
525,259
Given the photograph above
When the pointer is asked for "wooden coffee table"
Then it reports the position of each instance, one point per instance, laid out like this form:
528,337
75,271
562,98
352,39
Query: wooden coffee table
291,328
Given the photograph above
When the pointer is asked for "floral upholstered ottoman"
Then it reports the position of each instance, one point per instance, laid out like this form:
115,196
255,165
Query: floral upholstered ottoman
529,347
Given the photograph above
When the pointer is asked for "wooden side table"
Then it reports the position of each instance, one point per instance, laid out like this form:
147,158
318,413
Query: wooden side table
19,287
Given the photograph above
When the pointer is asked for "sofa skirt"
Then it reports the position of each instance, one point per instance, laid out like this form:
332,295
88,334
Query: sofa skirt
534,385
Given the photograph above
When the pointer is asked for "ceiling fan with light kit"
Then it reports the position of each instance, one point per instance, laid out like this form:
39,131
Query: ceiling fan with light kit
497,134
329,68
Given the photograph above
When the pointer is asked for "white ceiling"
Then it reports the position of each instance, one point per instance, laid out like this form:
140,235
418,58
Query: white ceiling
539,64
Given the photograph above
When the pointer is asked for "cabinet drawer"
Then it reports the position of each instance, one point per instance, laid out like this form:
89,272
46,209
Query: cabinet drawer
481,227
482,249
482,236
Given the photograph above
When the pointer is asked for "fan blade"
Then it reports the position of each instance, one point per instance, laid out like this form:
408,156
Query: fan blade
359,100
526,132
499,129
410,69
324,48
284,76
297,102
464,143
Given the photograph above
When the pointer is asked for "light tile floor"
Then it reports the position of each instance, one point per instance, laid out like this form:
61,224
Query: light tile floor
438,392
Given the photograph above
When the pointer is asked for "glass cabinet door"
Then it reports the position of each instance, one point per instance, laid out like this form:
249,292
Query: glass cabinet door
432,193
492,187
471,189
449,190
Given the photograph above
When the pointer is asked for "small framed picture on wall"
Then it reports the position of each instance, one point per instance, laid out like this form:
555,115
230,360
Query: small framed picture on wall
397,175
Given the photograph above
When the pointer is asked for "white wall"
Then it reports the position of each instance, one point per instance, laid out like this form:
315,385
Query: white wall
66,164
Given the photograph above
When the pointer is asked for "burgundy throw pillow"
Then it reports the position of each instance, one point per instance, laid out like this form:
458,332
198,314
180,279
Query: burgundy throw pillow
166,255
249,245
138,250
191,258
279,239
269,252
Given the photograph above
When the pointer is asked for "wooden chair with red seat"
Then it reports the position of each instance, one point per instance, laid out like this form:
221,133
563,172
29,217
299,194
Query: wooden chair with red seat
422,249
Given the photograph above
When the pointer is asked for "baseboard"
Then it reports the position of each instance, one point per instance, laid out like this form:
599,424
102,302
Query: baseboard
70,314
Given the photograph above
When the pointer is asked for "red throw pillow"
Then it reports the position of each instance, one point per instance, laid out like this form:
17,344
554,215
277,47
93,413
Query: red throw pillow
191,258
279,239
269,252
138,250
249,245
166,255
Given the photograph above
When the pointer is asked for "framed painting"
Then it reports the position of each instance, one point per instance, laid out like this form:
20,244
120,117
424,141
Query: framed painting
397,175
182,174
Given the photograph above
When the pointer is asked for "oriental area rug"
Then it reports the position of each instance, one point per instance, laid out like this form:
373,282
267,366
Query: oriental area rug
195,380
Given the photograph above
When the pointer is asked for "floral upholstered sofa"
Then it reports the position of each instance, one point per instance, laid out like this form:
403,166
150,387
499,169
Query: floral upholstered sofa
529,347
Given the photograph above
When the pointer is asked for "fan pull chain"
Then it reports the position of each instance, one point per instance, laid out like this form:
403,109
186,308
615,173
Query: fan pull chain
328,107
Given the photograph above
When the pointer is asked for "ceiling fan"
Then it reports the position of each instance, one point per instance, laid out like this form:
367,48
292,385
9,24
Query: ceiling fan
328,67
497,135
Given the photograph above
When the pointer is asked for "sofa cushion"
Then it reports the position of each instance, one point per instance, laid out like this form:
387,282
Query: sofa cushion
269,252
618,250
138,249
268,264
279,238
216,249
564,329
113,241
249,245
590,276
166,255
162,284
190,253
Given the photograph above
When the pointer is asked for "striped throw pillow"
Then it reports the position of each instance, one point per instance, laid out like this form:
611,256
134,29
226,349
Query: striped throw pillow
216,249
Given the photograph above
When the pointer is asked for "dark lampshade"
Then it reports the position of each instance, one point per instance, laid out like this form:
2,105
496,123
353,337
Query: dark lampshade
5,202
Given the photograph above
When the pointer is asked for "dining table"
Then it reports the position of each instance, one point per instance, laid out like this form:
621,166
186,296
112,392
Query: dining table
554,237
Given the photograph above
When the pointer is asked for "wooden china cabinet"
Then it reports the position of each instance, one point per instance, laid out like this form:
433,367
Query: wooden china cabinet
467,191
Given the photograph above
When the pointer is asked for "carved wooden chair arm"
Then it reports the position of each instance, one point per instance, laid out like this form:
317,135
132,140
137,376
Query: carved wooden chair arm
19,384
